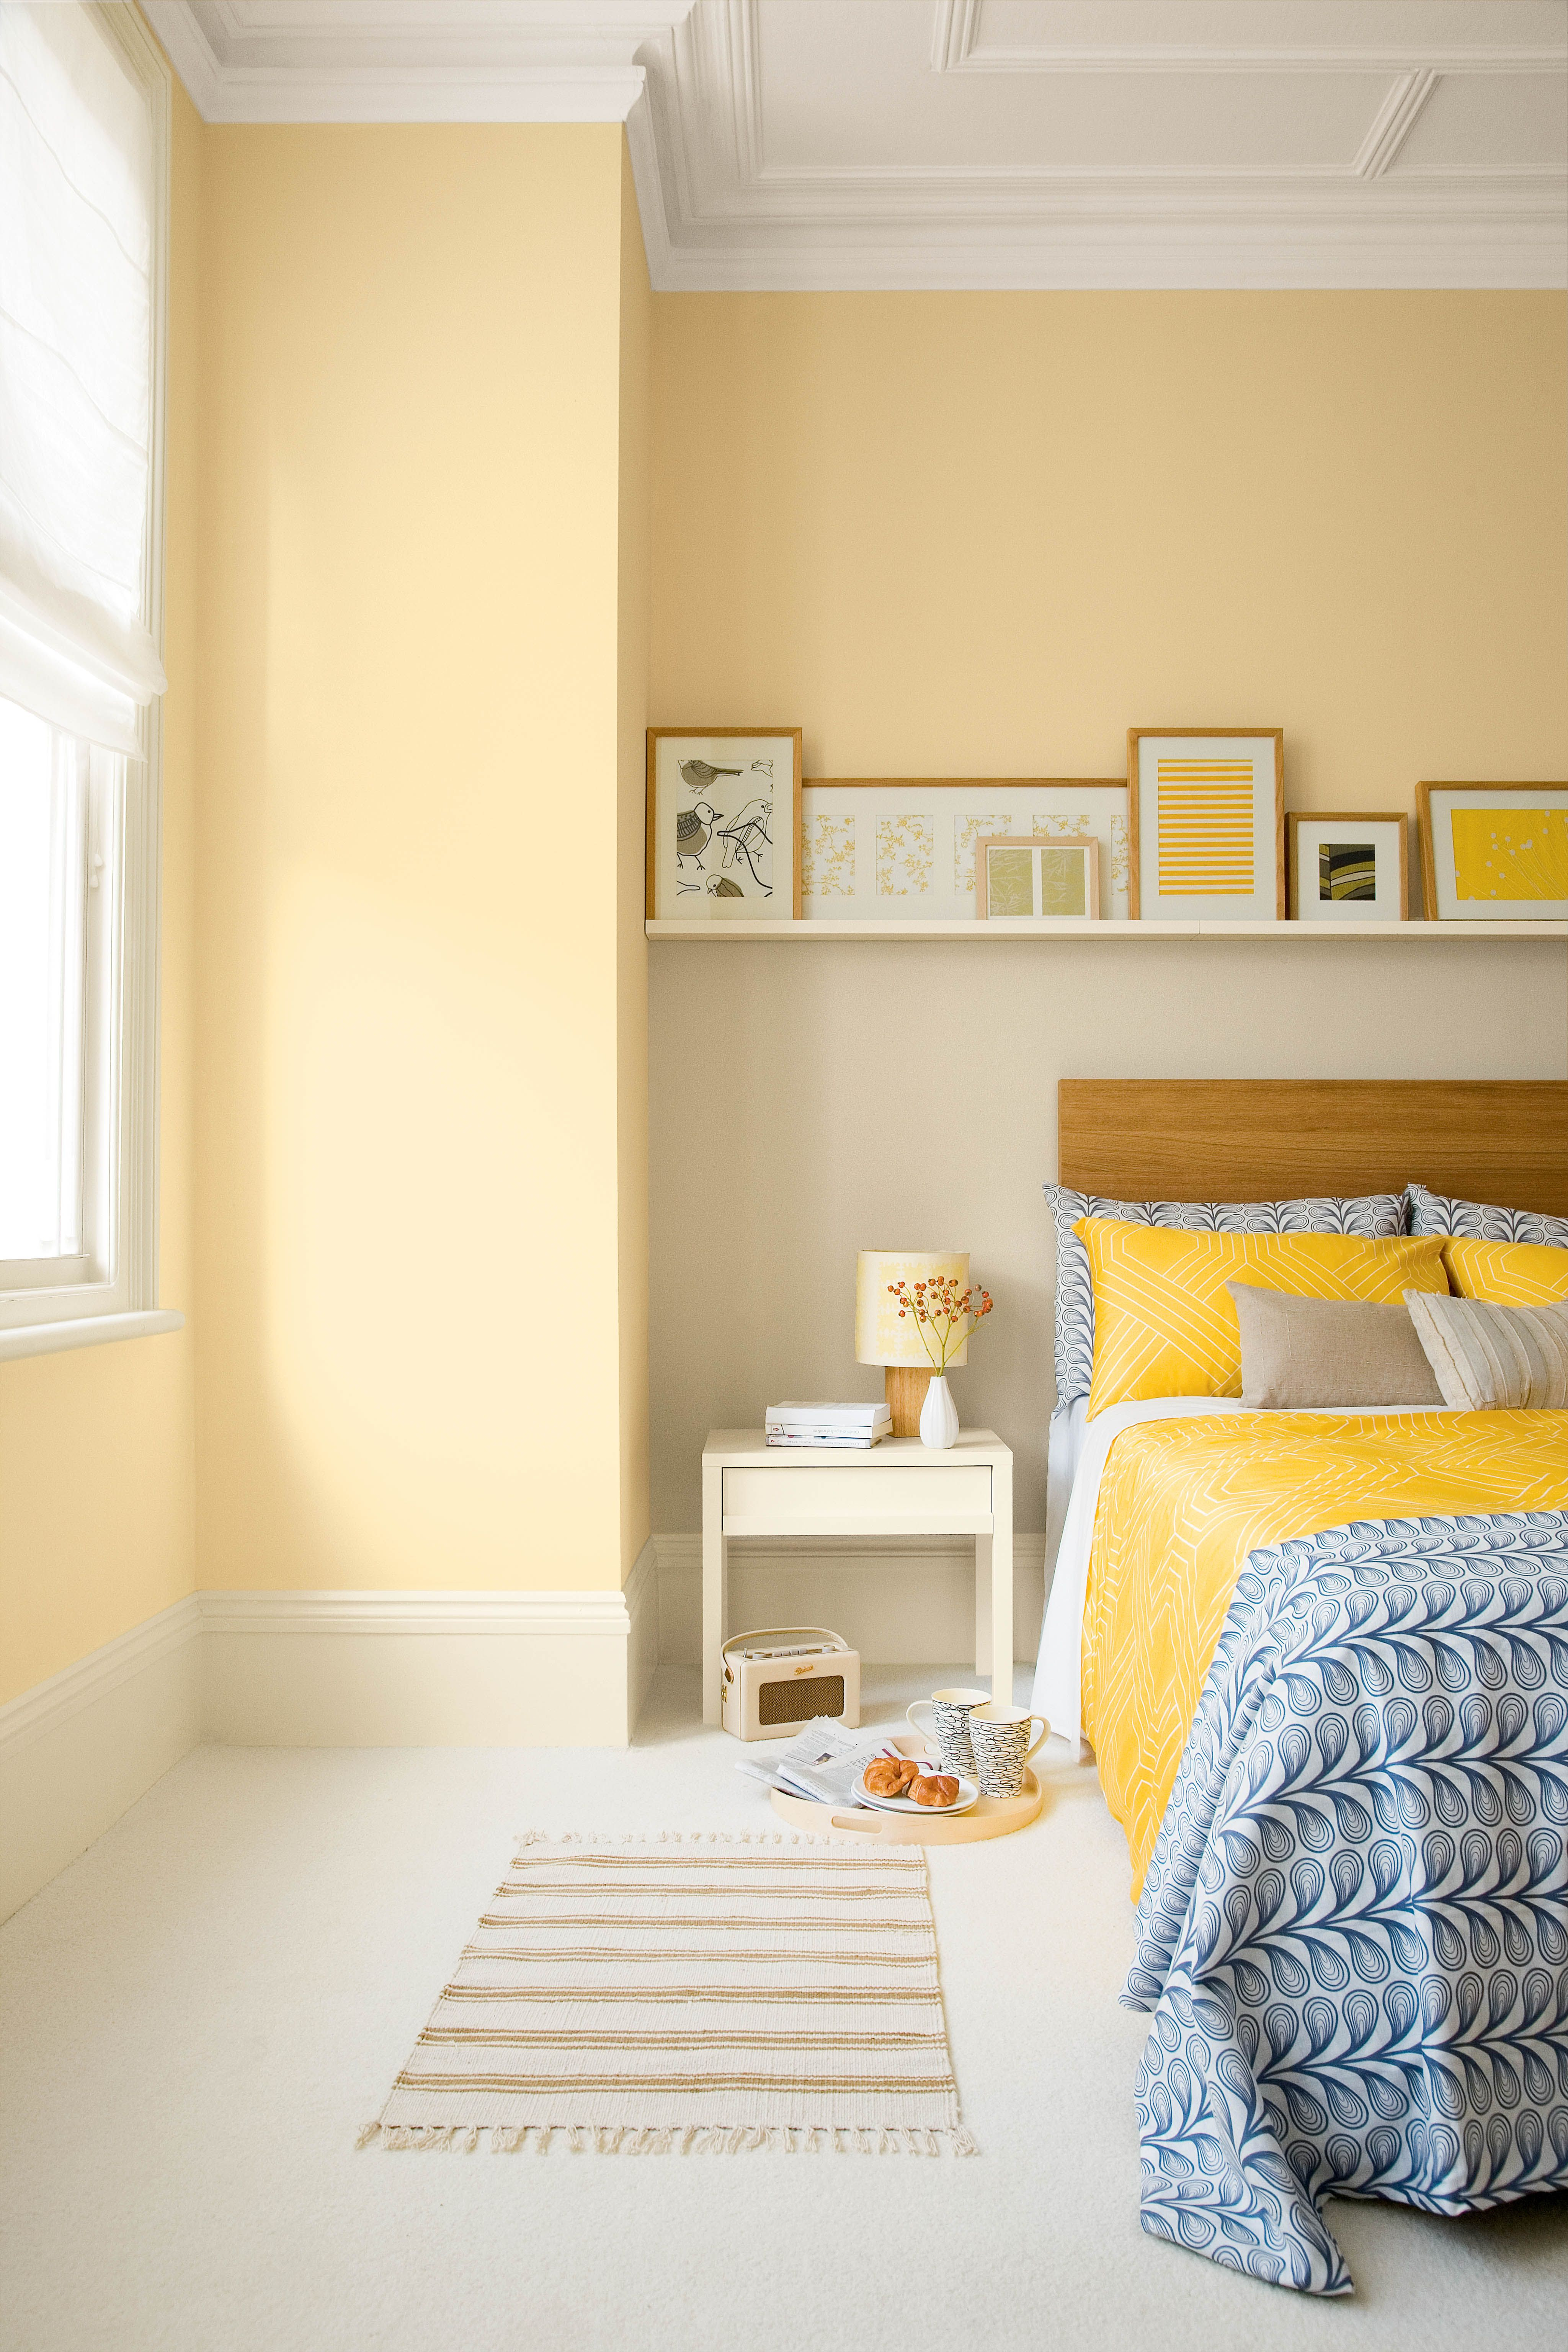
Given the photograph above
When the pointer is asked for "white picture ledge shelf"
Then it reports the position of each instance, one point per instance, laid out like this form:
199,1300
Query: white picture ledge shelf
672,927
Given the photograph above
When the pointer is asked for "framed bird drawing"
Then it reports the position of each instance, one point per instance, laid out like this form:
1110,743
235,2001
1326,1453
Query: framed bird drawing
723,823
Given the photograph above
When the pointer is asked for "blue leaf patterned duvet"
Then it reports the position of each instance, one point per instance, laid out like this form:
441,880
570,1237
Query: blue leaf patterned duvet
1353,1934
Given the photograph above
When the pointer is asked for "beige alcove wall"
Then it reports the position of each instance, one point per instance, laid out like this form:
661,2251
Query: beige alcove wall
983,534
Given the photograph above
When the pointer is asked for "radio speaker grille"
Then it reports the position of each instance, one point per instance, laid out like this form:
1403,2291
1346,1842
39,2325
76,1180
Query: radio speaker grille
798,1702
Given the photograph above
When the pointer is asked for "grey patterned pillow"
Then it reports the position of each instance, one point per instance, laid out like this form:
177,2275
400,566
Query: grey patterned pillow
1379,1217
1472,1221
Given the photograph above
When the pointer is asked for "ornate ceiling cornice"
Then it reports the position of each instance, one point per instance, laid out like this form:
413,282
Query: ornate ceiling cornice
686,77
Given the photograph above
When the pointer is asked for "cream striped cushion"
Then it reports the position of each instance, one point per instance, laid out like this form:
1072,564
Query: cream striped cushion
1489,1359
1165,1325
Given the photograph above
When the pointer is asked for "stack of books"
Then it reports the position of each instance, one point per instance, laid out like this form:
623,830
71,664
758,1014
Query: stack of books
828,1424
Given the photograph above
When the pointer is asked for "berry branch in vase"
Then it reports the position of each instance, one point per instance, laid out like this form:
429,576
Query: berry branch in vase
944,1317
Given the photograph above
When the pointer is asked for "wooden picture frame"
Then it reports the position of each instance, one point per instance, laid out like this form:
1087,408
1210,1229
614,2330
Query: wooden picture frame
1441,883
1225,862
755,874
902,848
1390,902
1039,852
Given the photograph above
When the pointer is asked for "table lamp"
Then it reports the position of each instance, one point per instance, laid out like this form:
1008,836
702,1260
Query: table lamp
881,1339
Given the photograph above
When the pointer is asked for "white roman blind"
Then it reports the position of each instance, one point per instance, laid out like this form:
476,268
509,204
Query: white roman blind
77,219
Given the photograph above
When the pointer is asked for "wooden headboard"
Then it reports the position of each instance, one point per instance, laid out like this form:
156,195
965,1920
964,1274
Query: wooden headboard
1504,1139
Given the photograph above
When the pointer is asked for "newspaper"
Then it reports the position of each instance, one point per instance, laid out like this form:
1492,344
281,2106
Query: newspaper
823,1762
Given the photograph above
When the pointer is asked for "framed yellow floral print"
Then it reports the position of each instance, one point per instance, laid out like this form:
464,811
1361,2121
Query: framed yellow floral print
901,849
1493,853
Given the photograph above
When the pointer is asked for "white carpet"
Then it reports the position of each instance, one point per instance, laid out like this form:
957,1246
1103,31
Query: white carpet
198,2015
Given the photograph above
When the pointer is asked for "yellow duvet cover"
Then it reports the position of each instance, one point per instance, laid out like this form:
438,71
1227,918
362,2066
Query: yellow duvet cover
1181,1504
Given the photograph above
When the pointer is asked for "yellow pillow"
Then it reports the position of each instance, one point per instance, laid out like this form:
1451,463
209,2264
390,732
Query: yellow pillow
1164,1321
1508,1273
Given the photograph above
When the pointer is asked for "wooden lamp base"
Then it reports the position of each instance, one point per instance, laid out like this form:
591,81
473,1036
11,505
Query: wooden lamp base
906,1386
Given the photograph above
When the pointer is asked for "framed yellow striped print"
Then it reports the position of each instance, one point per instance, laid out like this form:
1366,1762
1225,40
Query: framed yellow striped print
1206,823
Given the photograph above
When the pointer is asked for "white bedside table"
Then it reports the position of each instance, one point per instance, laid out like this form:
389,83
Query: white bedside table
898,1489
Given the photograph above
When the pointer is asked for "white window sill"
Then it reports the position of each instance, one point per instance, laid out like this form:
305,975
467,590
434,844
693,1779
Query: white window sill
87,1331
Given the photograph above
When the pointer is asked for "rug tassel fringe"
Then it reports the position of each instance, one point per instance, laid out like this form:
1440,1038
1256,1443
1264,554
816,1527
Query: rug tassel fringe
670,2139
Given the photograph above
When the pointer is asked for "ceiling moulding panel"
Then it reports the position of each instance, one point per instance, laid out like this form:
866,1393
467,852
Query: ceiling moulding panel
1041,37
924,173
732,220
1394,120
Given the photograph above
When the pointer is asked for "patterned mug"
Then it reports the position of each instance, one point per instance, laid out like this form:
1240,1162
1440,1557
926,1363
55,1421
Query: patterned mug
1001,1740
948,1730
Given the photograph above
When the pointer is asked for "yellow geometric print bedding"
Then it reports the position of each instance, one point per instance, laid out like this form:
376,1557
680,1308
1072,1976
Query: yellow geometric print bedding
1182,1503
1508,1273
1165,1325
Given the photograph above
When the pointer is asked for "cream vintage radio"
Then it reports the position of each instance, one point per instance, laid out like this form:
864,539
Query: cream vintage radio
776,1680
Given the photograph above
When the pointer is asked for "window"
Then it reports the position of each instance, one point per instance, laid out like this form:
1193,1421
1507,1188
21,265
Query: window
84,99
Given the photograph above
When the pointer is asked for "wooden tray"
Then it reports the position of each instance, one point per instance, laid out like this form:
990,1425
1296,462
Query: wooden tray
989,1817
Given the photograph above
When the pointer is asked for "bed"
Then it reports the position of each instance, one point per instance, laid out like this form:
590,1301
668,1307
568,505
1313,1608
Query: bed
1322,1659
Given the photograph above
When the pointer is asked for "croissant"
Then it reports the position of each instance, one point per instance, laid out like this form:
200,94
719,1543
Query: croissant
937,1789
889,1776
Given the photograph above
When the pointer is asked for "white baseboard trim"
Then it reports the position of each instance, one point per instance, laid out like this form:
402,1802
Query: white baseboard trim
353,1669
314,1669
440,1669
897,1601
78,1750
641,1599
573,1615
52,1704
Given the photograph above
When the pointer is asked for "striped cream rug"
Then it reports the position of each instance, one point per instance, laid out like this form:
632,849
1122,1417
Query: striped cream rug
690,1993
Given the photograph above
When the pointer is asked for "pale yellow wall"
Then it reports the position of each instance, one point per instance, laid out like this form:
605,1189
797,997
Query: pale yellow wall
631,947
969,534
983,534
97,1475
410,1131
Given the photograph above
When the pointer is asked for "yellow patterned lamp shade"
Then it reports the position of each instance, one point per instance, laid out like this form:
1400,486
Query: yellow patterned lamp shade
879,1337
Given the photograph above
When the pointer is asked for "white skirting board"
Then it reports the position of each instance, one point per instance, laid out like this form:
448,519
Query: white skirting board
438,1669
427,1669
78,1752
900,1603
313,1670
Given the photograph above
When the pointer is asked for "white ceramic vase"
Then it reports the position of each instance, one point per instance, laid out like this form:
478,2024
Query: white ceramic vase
938,1414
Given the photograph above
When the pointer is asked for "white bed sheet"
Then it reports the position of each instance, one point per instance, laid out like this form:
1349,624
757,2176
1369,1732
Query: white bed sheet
1058,1671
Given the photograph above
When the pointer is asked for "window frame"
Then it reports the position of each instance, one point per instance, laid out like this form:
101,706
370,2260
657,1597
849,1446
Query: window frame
40,1313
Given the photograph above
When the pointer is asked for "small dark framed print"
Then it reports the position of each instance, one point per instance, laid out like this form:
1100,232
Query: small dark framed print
1349,868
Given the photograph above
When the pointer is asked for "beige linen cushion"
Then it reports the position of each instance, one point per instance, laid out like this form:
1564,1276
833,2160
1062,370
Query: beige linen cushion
1325,1352
1494,1359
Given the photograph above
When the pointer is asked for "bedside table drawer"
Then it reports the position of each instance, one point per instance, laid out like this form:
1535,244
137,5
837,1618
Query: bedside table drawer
856,1499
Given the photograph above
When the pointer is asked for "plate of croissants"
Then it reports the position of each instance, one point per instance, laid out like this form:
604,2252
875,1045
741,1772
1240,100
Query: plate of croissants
899,1784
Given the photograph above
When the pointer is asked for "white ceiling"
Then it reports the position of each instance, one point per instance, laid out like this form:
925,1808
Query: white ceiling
864,144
